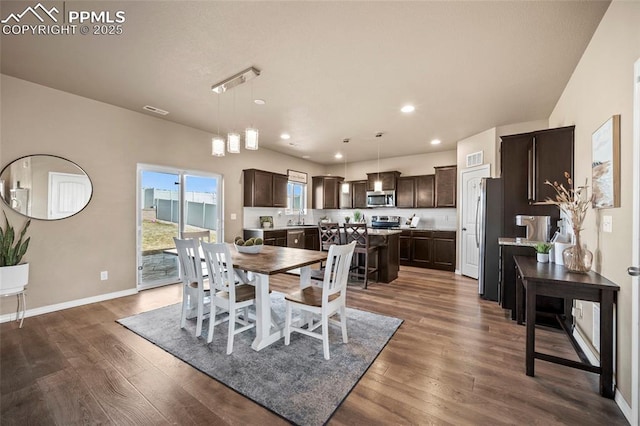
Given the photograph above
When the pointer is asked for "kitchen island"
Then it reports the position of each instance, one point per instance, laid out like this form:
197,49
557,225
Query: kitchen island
388,239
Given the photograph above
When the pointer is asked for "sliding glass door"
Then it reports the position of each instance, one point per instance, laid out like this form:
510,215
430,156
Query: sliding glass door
172,201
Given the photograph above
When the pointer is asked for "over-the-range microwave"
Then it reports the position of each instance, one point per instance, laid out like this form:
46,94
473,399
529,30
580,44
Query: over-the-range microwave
381,198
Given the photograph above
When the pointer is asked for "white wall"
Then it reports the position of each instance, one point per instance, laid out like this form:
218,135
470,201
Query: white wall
601,86
66,256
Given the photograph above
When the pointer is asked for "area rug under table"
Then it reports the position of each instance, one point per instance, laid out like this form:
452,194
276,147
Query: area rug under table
294,381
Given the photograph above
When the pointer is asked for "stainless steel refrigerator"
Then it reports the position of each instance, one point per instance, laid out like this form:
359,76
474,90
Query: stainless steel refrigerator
489,228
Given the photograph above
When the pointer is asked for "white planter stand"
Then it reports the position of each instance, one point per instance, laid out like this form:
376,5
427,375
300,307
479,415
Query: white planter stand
13,280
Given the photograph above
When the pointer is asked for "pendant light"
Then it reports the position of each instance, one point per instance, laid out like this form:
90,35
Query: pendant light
345,185
251,133
377,185
217,143
233,138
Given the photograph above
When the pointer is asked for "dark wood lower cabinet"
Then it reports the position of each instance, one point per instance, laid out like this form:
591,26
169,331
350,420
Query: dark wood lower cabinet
297,237
270,238
428,249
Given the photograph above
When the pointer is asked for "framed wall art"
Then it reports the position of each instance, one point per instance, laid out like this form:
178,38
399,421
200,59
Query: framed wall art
605,164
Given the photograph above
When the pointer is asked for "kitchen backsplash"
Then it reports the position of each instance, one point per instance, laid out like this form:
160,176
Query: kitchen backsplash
444,219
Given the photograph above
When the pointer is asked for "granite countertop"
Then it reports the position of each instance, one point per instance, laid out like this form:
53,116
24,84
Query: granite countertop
371,230
519,241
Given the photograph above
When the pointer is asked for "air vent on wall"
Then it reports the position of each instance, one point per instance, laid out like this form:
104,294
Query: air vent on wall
474,159
155,110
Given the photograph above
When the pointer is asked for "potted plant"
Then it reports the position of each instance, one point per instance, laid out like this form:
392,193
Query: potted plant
542,252
14,275
357,216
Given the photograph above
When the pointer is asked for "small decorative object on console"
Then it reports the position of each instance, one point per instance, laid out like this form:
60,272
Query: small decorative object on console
574,203
542,252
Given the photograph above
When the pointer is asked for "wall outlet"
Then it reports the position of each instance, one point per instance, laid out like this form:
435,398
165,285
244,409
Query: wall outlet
234,216
577,311
607,224
104,275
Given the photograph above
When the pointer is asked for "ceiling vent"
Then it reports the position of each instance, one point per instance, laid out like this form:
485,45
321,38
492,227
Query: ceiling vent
155,110
474,159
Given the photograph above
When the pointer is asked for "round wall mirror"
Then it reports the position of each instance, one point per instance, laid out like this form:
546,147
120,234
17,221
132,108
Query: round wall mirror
45,187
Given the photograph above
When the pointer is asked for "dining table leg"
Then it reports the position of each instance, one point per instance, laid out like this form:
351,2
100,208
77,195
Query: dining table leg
264,335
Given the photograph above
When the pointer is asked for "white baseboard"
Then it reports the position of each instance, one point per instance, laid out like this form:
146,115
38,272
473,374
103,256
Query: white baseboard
457,272
70,304
624,406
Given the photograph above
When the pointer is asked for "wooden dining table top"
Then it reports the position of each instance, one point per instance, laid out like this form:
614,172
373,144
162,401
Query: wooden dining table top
275,260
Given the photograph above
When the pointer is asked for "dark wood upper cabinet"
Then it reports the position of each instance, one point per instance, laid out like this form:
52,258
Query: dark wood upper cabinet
359,194
552,155
280,190
524,170
405,192
388,180
326,192
445,184
425,191
264,189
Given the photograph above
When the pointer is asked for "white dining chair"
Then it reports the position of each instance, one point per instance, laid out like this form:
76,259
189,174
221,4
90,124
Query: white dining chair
325,301
225,295
194,292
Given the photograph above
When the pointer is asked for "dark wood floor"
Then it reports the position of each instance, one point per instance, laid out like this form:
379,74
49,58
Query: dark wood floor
456,360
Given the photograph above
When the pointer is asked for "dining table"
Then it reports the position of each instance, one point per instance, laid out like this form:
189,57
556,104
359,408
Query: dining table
269,261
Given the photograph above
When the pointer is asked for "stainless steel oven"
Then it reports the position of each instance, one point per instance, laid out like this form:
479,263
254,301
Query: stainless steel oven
381,198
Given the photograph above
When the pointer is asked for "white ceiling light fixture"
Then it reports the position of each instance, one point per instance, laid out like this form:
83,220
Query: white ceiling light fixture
345,185
285,136
338,156
377,185
235,80
251,133
407,109
233,138
217,143
436,142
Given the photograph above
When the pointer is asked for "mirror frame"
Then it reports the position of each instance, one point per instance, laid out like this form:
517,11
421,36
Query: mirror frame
52,156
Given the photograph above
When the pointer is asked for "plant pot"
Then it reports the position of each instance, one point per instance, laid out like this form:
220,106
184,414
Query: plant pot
13,278
542,257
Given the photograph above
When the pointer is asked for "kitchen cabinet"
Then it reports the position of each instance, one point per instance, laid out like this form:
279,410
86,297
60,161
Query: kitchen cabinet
445,186
326,192
415,192
359,197
269,237
264,189
311,239
550,155
406,192
388,180
428,249
425,191
518,174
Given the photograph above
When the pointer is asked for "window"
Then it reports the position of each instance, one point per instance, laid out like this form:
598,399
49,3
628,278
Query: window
296,198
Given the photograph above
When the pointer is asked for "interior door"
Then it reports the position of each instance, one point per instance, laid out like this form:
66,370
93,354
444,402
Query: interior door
633,270
469,246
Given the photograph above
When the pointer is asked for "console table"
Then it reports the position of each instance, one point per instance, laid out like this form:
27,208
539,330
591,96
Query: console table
550,279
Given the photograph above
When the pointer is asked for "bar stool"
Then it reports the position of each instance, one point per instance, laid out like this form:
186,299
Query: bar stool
358,232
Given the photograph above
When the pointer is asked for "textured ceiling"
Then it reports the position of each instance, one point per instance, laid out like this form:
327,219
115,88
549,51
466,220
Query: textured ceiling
330,70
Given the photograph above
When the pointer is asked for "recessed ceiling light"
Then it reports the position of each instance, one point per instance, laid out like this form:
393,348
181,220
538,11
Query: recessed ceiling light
259,101
306,156
338,156
285,136
435,142
408,108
